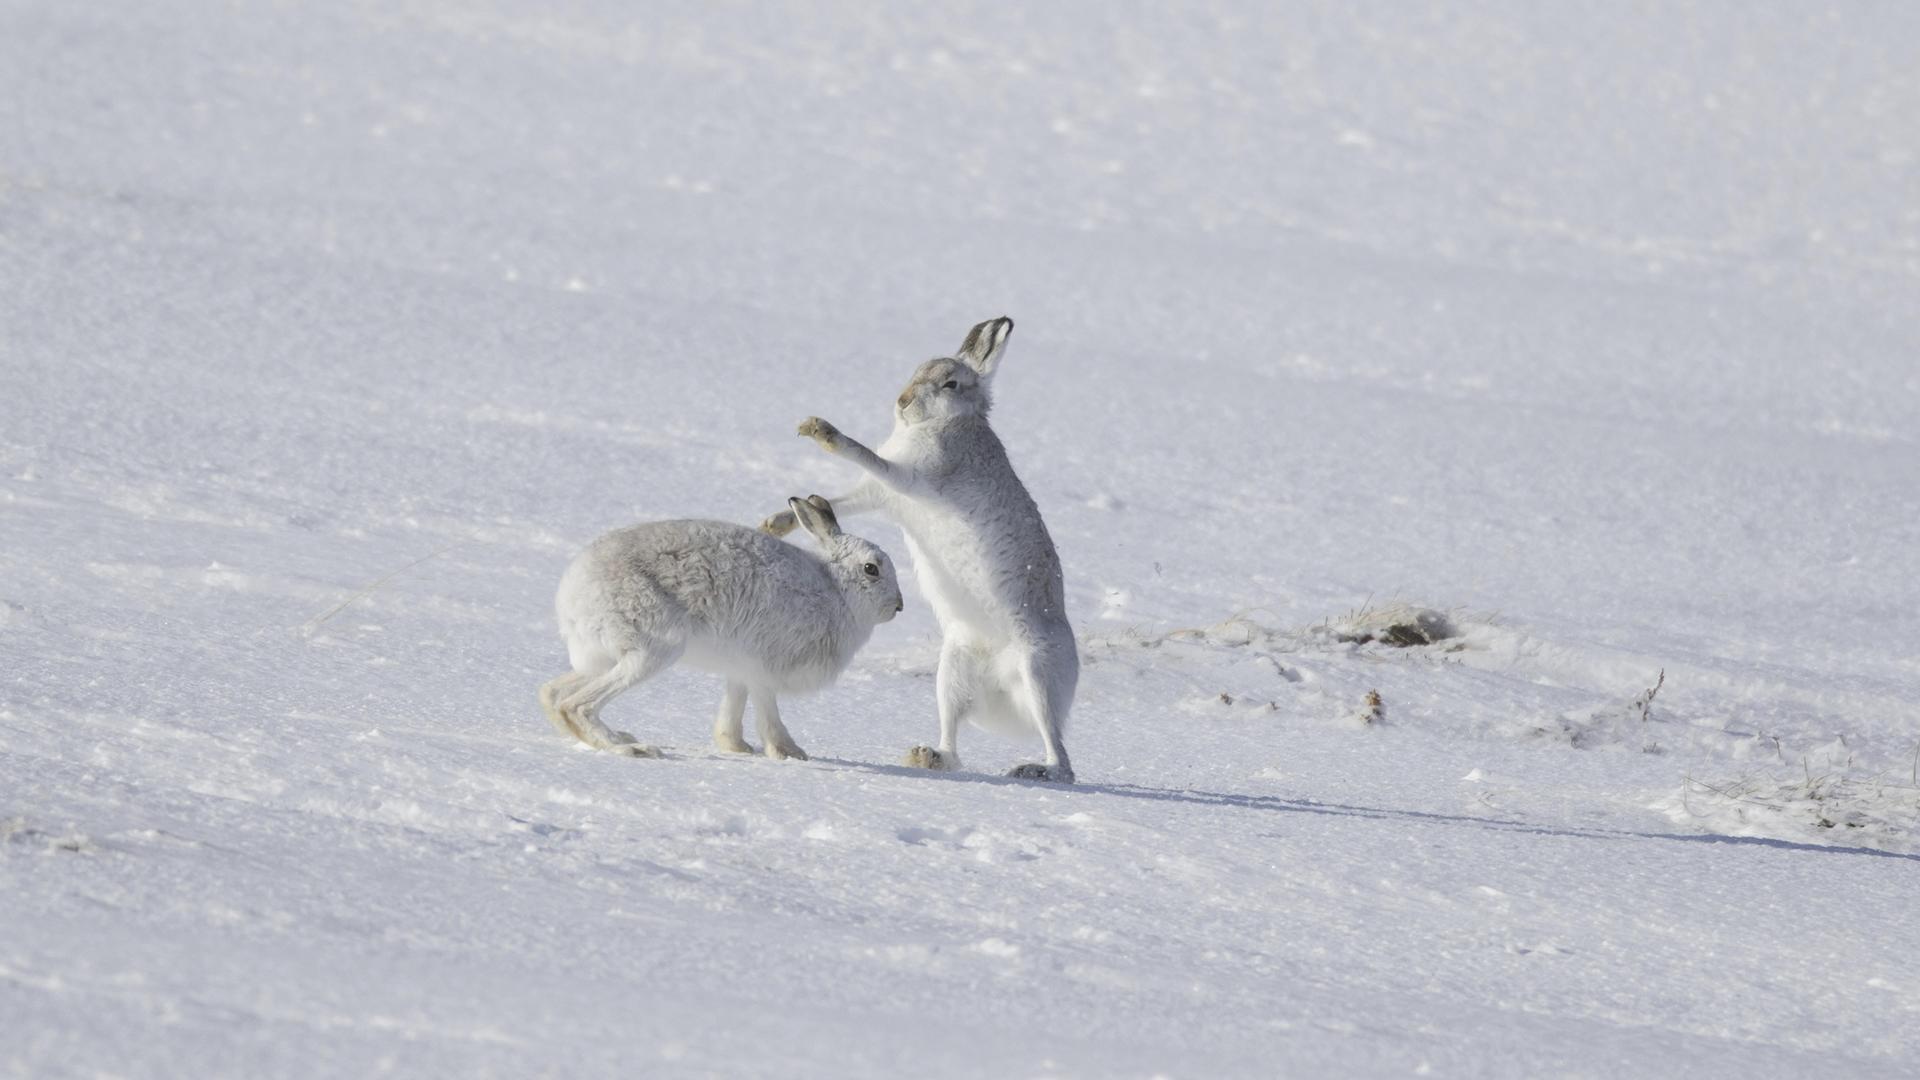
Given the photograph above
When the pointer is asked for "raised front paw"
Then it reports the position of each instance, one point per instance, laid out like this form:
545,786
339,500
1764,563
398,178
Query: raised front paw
926,757
1056,774
780,524
821,432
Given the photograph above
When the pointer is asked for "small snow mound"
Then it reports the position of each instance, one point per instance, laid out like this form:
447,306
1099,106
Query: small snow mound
1399,625
1372,710
1839,807
1611,724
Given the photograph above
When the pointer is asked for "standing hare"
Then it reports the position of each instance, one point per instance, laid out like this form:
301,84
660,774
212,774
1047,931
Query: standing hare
983,557
766,616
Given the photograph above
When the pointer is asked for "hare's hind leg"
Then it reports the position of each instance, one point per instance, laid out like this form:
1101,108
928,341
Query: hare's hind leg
779,744
956,687
551,694
582,706
1043,692
588,663
726,726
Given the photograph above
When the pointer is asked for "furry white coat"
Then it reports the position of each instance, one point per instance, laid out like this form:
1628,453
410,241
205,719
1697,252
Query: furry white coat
981,553
767,617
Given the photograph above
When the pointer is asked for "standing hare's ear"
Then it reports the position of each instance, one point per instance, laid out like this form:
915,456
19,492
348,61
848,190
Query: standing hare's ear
816,514
981,351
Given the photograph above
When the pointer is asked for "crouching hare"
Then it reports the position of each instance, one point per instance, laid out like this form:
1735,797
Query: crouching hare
764,615
1008,659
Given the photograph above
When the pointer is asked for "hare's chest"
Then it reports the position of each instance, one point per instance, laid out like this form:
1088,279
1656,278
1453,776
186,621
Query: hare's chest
956,569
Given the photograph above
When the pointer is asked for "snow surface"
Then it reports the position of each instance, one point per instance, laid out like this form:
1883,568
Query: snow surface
328,331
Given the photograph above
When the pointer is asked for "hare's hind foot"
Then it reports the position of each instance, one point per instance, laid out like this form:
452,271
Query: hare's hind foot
1056,774
926,757
731,744
588,729
633,749
619,742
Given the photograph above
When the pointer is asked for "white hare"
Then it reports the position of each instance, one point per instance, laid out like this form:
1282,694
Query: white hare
980,551
764,615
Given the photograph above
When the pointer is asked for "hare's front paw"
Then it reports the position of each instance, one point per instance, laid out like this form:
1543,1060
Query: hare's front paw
821,432
780,524
1058,774
779,750
926,757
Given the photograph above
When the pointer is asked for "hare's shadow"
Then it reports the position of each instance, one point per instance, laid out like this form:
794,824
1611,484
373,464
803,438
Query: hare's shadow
1279,804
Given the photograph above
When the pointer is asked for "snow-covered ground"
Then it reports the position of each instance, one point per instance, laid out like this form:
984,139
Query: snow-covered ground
328,331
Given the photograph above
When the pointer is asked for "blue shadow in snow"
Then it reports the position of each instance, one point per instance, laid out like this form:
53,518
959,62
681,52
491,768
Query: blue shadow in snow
1278,804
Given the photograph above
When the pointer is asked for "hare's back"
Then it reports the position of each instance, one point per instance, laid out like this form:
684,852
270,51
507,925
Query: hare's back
712,571
681,558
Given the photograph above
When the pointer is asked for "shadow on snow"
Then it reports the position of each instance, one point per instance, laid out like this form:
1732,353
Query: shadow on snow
1278,804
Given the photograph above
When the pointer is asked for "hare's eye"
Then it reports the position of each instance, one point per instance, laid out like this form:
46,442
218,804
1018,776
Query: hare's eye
950,384
872,569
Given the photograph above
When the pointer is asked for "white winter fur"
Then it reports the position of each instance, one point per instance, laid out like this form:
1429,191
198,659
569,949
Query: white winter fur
980,550
764,615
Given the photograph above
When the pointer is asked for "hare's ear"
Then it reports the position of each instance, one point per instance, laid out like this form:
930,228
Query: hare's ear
816,514
981,351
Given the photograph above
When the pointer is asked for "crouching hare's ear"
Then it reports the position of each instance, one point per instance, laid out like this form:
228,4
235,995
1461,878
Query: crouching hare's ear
981,351
816,514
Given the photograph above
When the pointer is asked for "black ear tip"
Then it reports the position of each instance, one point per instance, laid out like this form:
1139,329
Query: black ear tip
793,502
819,503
